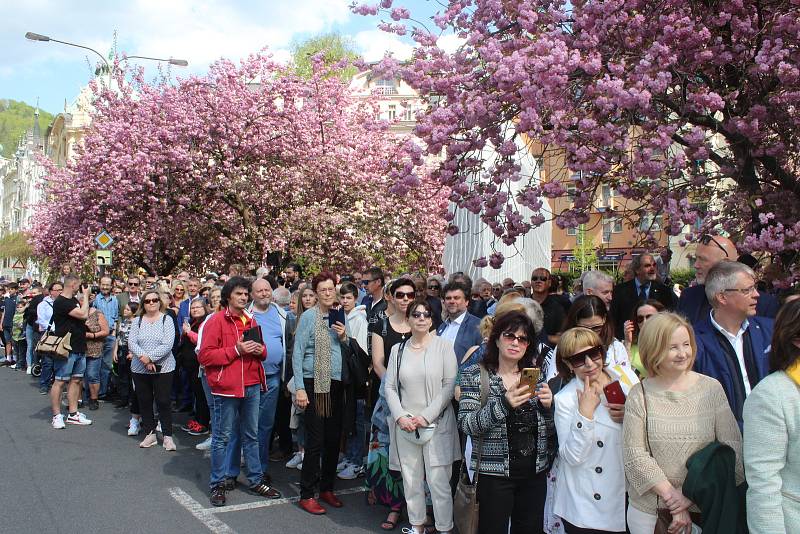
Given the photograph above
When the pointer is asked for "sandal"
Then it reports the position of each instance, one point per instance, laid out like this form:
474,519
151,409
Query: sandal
389,524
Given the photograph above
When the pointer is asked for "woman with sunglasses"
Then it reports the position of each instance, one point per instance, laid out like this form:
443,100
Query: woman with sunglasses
420,378
178,293
590,487
150,343
589,311
670,416
641,313
433,287
516,427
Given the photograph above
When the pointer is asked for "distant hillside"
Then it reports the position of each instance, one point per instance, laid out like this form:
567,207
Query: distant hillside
15,119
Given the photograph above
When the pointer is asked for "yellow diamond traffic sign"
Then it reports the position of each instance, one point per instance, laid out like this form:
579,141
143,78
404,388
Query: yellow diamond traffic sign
103,240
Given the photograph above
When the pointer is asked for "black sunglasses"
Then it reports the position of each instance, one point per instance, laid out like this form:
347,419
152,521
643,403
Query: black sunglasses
579,360
402,294
434,287
151,301
418,314
511,336
540,278
706,239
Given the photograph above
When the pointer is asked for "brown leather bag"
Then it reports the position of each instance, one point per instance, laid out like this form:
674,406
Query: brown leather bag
465,501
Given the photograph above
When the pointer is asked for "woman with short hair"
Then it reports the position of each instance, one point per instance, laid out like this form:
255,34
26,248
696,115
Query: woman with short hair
668,417
150,343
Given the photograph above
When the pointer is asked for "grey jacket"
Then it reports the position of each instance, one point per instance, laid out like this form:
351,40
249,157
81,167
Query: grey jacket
771,450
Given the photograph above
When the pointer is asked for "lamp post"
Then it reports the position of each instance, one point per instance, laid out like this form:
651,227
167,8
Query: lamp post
44,38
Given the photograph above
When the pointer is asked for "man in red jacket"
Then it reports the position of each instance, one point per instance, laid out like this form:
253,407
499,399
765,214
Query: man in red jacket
236,378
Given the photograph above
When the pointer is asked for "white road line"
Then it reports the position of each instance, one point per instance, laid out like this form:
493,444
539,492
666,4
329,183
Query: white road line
202,514
268,503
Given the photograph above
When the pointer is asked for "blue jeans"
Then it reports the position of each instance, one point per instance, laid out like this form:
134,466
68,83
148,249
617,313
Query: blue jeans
266,417
93,371
106,363
73,367
242,413
32,335
355,448
47,372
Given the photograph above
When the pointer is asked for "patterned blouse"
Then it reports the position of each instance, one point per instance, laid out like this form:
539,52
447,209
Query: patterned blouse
154,340
94,347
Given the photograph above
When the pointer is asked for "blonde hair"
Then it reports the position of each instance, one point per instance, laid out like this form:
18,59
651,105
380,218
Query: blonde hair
572,340
504,305
654,340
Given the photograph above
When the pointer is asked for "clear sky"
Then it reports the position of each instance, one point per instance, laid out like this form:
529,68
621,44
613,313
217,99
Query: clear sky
199,31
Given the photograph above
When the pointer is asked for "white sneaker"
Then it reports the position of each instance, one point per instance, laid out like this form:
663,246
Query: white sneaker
341,466
158,427
78,419
204,445
58,421
28,370
169,444
295,460
351,472
134,427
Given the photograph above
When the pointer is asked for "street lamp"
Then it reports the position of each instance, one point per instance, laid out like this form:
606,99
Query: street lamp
44,38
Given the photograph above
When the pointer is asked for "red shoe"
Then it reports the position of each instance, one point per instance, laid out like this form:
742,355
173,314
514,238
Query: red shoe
330,498
311,506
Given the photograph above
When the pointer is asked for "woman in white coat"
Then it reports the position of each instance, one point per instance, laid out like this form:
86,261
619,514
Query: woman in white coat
419,382
590,487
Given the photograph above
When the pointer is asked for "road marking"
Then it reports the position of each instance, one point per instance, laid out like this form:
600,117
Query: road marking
202,514
274,502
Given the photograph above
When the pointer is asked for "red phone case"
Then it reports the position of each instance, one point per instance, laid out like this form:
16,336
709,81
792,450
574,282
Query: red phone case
614,393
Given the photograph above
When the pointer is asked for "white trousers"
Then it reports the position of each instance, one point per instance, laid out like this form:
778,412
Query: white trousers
416,469
640,522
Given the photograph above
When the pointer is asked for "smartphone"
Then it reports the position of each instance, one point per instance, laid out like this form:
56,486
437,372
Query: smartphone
336,315
614,393
530,377
158,368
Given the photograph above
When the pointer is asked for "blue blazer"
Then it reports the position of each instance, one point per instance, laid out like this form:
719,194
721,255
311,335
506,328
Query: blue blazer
694,305
711,359
468,335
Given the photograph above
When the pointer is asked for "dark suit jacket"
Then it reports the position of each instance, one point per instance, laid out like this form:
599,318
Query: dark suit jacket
712,359
694,305
468,335
625,299
123,299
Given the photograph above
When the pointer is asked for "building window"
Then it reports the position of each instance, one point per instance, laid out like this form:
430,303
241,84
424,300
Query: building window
386,86
650,223
392,113
617,227
572,231
607,196
408,114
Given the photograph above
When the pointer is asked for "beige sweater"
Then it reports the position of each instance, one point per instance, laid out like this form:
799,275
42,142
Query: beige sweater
679,424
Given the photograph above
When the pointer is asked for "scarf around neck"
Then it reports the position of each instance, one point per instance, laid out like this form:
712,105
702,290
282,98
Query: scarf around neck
322,365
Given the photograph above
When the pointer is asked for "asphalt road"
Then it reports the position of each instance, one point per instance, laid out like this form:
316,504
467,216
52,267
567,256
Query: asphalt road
96,479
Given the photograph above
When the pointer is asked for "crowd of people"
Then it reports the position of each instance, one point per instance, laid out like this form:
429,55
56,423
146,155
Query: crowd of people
606,408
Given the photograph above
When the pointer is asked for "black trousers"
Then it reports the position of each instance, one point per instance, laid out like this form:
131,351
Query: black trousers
323,436
283,414
518,499
202,413
154,387
569,528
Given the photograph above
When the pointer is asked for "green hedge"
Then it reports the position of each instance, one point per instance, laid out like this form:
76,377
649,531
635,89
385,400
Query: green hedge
683,277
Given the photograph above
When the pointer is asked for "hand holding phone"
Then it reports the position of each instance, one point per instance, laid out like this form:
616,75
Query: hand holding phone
530,377
614,393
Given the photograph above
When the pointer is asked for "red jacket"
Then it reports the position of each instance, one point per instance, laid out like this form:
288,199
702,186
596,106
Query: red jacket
227,370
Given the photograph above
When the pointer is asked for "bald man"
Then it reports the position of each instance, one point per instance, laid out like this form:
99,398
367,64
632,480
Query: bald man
712,249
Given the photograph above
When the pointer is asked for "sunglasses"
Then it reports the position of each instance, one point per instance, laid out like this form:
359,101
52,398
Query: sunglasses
133,284
405,295
151,301
364,282
596,328
579,360
706,239
511,337
178,290
540,278
417,315
642,318
434,288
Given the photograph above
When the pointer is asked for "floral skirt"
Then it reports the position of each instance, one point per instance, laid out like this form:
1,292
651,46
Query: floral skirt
385,485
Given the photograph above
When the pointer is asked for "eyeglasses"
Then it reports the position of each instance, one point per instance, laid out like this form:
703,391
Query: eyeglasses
579,359
434,288
642,318
151,301
326,289
417,315
511,337
706,239
744,291
540,278
405,295
133,284
178,290
596,328
365,282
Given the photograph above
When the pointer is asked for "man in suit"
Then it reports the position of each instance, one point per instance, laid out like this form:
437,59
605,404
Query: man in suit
461,327
643,287
131,295
712,249
732,343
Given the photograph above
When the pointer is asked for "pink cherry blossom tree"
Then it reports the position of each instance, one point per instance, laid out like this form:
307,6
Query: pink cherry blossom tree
245,161
688,108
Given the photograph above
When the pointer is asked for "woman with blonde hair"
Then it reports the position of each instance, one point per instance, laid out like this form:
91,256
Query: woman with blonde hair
589,491
670,416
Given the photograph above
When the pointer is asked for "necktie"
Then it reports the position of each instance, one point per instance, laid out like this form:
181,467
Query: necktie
643,292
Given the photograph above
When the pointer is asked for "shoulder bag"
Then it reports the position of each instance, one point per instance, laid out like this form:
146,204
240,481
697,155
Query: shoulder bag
465,501
663,515
56,347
